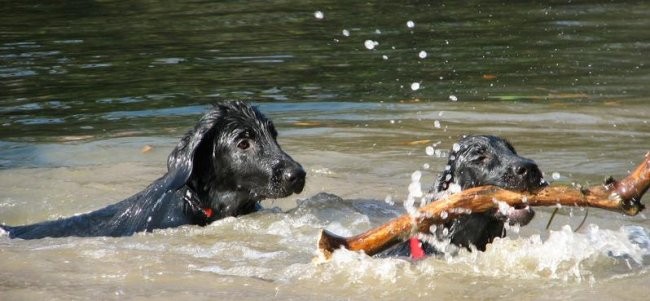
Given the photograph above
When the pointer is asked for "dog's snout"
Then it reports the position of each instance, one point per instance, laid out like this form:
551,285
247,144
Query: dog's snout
521,169
294,176
526,168
528,173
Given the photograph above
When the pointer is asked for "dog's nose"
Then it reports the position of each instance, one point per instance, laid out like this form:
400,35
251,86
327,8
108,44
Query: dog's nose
521,169
529,173
295,178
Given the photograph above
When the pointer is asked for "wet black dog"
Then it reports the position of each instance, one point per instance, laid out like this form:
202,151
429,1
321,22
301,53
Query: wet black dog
223,167
477,161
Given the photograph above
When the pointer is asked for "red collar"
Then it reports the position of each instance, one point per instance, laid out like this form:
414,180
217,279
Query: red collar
203,213
207,211
417,252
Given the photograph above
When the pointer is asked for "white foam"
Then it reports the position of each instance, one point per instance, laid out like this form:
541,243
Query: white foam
241,271
358,266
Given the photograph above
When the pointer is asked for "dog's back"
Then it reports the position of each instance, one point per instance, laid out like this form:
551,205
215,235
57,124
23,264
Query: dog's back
152,208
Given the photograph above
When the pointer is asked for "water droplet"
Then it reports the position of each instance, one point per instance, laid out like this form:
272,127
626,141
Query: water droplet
429,150
415,86
370,44
410,24
422,54
415,176
556,175
453,98
389,200
319,14
346,32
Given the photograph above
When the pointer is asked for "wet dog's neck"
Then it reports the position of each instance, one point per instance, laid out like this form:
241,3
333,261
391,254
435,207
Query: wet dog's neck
211,193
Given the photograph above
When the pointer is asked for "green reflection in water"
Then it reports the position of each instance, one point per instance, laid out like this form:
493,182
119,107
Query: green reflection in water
66,68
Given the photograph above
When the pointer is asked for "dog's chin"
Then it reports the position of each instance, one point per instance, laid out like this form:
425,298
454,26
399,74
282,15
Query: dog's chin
516,216
521,216
285,189
275,193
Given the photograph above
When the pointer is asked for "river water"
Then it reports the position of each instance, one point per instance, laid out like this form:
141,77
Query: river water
87,87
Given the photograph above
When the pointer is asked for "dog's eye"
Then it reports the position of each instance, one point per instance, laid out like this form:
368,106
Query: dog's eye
244,144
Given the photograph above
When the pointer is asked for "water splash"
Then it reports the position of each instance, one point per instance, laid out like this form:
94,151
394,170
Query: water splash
415,191
564,255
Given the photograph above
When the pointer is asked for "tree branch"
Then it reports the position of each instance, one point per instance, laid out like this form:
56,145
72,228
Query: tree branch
620,196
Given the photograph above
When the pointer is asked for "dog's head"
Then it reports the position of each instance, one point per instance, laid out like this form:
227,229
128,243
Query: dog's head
489,160
234,149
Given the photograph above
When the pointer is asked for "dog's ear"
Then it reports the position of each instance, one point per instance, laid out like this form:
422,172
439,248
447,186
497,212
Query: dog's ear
181,160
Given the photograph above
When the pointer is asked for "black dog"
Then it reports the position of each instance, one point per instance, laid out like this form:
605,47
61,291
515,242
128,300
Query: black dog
477,161
223,167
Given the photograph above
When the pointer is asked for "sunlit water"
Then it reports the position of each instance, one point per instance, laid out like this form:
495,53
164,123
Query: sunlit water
365,156
84,87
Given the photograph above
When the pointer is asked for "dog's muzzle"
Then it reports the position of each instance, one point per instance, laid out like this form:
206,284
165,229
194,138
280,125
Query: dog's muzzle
293,178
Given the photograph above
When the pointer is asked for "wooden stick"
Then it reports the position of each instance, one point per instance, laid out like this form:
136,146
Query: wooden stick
621,196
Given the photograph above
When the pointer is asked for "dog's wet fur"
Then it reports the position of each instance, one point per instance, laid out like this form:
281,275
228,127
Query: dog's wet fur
224,166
